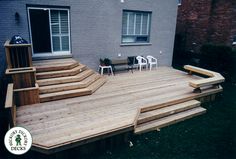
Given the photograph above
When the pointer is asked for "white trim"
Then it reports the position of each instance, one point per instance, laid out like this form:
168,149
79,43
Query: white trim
141,26
50,28
127,23
179,2
134,23
52,53
148,18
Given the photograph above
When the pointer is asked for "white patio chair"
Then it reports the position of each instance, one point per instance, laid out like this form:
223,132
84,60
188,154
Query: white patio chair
151,61
142,62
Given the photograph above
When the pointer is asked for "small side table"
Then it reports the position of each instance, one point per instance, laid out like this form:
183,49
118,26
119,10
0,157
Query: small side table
105,67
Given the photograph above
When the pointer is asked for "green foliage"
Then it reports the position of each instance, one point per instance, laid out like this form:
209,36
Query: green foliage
105,62
219,58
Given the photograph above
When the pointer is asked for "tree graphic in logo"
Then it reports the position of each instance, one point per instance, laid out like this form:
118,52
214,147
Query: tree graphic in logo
18,140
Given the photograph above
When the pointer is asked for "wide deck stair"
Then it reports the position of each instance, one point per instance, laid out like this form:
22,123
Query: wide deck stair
157,118
65,78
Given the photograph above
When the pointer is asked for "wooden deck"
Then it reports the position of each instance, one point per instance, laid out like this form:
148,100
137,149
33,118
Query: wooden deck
112,109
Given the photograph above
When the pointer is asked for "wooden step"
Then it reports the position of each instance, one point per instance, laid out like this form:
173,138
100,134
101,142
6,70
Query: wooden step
56,66
73,93
69,79
69,86
162,112
63,73
64,94
169,120
97,84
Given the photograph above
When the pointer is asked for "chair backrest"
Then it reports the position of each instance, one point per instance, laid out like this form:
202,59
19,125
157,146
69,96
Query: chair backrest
141,59
150,58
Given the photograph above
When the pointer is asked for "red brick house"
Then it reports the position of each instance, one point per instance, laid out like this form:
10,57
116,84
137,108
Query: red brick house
206,21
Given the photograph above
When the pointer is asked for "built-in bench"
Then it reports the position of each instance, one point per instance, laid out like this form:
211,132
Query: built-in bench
128,62
213,79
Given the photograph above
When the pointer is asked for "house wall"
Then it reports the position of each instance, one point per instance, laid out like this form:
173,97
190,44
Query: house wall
96,27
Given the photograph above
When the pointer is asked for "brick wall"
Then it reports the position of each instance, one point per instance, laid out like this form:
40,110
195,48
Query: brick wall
203,21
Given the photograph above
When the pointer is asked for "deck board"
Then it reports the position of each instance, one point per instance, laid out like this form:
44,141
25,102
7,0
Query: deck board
111,108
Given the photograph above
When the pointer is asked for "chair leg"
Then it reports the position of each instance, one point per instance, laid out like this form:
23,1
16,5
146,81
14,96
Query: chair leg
150,67
101,71
140,68
112,71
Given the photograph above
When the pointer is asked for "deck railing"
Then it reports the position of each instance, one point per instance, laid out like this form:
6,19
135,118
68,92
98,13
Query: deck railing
10,105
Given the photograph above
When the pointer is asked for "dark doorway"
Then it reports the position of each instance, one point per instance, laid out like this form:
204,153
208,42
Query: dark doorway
40,31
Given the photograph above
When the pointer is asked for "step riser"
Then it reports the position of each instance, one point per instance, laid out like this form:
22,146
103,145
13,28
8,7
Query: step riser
61,81
154,117
56,75
69,87
56,68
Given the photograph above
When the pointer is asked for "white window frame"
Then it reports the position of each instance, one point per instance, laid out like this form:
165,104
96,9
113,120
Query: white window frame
141,25
179,2
52,53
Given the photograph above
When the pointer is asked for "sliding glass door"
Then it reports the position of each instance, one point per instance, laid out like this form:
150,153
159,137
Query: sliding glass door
50,31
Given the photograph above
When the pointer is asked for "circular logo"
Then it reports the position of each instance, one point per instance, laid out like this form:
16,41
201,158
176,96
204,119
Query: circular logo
18,140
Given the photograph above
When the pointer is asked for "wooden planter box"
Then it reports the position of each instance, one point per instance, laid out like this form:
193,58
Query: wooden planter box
22,77
18,55
25,96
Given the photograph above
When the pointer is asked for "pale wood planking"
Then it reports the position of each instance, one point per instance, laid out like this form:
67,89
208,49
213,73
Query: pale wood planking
9,96
113,107
60,80
159,123
63,73
162,112
53,61
214,77
69,86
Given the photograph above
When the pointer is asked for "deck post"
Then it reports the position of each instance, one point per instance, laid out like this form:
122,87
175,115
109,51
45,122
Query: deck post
18,55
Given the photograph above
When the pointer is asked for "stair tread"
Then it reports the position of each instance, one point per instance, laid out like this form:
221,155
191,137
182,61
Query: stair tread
53,61
97,84
48,95
73,85
168,120
56,67
67,79
61,73
165,111
73,93
80,66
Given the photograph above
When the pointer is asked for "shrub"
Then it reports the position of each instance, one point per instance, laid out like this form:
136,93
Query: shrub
219,58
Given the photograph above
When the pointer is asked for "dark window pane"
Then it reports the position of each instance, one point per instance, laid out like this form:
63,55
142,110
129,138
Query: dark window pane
141,39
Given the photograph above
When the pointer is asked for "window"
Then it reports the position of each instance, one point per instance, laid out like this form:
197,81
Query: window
234,40
179,2
60,30
50,32
136,27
